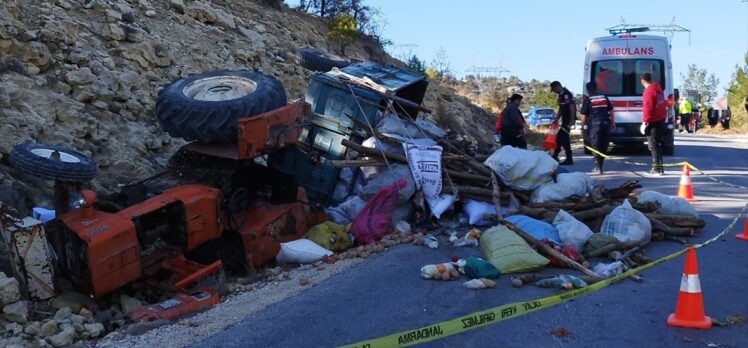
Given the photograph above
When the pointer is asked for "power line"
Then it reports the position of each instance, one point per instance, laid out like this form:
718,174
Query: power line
668,29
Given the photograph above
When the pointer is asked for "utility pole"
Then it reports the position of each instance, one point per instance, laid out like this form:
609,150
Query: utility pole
667,29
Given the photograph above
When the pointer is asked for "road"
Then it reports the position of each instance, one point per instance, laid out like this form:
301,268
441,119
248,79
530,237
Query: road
385,295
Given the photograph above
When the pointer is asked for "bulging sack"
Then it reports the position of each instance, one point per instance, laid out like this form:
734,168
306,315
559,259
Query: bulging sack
566,185
522,169
628,225
668,204
302,251
537,229
375,219
508,252
571,231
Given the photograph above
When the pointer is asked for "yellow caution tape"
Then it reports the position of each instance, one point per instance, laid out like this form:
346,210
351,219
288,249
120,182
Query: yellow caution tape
500,313
693,167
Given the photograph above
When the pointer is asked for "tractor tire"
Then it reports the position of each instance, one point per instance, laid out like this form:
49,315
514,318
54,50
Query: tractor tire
36,159
316,59
205,107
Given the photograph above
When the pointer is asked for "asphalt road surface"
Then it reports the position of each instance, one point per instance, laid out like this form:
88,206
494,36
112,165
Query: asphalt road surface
385,294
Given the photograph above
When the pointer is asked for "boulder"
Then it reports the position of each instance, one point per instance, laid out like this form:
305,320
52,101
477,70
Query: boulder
94,330
64,338
75,300
177,5
129,303
48,329
207,14
17,312
33,328
81,76
63,313
9,290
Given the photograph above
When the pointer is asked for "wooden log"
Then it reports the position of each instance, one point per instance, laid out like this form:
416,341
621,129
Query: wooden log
657,235
671,231
357,163
592,213
471,162
606,249
496,195
679,220
537,213
548,250
676,239
568,206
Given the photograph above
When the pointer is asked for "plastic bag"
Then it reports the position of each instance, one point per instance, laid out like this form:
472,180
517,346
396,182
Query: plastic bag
481,283
522,169
330,235
475,211
370,172
571,231
375,219
479,268
445,203
386,178
301,251
537,229
628,225
431,128
566,185
668,204
391,124
608,270
508,252
566,282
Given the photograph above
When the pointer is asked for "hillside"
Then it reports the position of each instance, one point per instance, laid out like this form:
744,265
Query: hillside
85,74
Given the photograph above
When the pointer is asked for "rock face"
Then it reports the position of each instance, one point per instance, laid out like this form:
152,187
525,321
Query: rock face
85,74
17,312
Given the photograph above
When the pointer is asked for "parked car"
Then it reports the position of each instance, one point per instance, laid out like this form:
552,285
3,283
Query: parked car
540,116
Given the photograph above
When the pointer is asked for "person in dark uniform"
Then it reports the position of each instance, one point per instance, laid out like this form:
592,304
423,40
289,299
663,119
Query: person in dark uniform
567,112
597,120
513,124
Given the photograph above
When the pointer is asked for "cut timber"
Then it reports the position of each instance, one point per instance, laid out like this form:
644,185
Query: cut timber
496,195
548,250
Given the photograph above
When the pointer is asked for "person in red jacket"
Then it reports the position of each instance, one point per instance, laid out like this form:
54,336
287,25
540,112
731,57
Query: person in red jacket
654,111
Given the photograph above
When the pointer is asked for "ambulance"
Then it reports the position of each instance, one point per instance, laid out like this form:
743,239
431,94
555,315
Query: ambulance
616,63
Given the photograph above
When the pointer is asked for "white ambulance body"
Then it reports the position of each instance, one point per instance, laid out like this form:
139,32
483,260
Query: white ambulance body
616,63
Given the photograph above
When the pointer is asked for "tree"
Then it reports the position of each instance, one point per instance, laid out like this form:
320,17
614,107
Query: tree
737,92
544,97
342,30
699,80
416,64
440,64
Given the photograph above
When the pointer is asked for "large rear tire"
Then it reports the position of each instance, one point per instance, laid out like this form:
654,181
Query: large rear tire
205,107
316,59
52,162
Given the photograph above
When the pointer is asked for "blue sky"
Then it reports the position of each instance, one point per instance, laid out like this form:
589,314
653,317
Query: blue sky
545,40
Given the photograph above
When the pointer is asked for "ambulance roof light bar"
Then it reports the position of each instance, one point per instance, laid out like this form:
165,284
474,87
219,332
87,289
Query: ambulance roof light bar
617,31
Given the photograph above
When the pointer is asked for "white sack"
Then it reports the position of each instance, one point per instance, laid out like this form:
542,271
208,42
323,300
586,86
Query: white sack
571,231
628,225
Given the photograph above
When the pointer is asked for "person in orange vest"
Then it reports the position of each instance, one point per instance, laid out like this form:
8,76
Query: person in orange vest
513,124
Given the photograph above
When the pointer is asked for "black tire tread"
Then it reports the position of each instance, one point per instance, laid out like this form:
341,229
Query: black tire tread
22,158
317,60
215,121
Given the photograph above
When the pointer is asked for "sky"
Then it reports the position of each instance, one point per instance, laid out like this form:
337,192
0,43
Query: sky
545,40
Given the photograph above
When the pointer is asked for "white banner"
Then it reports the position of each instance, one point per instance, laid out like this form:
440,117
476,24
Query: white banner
426,165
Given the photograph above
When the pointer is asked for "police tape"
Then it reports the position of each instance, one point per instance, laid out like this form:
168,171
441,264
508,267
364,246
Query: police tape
504,312
691,166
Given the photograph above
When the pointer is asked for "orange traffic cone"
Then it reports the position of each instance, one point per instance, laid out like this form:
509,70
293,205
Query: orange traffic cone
550,140
744,235
685,190
689,310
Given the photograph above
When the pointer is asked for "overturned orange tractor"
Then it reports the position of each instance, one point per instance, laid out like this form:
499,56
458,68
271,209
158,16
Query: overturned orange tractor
217,205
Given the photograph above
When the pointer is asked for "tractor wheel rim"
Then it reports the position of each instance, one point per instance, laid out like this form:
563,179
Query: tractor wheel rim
220,88
49,153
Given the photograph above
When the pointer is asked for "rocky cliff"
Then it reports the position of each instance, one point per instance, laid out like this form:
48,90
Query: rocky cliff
85,74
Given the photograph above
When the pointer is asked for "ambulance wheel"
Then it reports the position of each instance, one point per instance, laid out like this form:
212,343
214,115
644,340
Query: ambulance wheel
316,59
52,162
205,107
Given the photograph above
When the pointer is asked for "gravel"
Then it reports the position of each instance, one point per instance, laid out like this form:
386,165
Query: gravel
231,309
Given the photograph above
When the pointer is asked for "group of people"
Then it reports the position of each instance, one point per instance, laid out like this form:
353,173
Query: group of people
713,115
597,119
